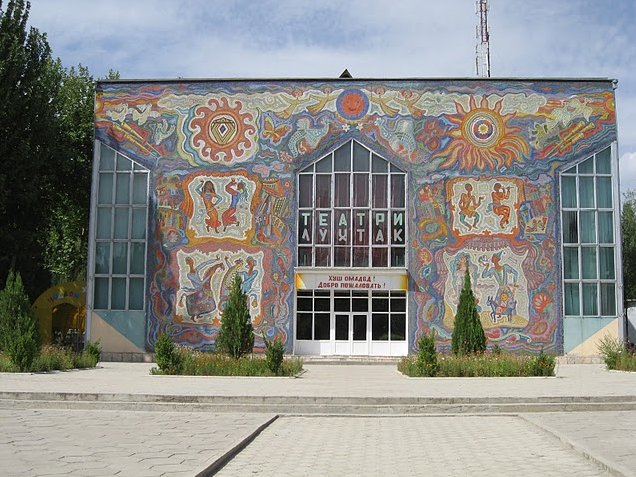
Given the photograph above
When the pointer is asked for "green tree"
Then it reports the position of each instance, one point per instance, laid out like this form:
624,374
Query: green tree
468,333
628,230
427,355
236,336
19,333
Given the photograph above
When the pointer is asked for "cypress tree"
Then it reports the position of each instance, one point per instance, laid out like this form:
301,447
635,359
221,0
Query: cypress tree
236,336
468,334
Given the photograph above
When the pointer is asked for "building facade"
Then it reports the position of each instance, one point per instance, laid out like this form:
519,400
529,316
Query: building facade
352,209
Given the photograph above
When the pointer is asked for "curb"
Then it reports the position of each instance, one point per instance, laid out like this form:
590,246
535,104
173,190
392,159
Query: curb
225,459
581,450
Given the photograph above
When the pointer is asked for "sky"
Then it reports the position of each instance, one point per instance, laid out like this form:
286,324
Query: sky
157,39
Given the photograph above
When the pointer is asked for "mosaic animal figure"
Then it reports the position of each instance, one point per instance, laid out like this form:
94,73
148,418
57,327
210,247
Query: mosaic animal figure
502,306
201,301
399,135
305,138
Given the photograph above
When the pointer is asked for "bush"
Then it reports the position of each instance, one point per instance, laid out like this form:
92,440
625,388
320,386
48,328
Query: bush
616,355
167,356
19,330
427,355
274,353
198,363
484,365
468,333
236,336
94,350
52,358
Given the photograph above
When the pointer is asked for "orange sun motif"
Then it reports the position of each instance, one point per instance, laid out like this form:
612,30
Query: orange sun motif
483,139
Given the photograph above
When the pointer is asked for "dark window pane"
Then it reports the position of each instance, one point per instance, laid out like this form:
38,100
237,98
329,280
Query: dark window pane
608,299
586,192
604,192
342,327
360,158
123,164
324,165
122,188
360,227
342,257
590,299
120,258
361,190
570,227
398,231
398,327
398,304
104,217
105,195
588,226
379,164
118,294
102,258
604,161
570,262
380,327
380,257
605,227
305,227
342,304
397,190
321,326
341,194
572,303
107,159
398,257
304,256
568,192
360,257
323,191
303,326
380,191
138,229
305,304
322,293
587,166
380,304
305,189
342,159
121,222
101,293
323,227
359,327
588,262
305,293
379,227
140,188
136,294
606,262
360,303
342,224
323,255
322,304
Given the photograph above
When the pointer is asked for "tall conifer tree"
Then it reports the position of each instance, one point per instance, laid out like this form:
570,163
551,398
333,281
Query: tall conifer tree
468,333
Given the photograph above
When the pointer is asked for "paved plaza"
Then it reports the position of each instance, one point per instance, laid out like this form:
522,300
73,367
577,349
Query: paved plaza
40,437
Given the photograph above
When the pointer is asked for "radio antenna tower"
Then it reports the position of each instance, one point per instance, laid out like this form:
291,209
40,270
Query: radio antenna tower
482,51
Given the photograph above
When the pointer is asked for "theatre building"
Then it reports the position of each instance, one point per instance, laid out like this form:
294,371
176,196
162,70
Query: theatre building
352,209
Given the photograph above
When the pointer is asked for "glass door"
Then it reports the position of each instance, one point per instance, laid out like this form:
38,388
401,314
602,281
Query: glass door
359,334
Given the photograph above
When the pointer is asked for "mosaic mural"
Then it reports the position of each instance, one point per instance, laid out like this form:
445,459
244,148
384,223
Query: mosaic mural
480,156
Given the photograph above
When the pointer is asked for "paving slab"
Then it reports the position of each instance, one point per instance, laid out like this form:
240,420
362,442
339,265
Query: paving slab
122,443
380,446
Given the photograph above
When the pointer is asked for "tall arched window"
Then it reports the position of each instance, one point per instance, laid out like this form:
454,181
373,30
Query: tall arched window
352,211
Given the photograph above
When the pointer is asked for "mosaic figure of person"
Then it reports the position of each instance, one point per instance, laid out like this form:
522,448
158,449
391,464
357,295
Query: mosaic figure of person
210,200
468,205
237,193
499,194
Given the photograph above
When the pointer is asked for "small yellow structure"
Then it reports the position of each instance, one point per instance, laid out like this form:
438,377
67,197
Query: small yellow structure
61,312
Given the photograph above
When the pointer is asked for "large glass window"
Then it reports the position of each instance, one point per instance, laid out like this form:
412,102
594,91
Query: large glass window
352,211
589,242
120,233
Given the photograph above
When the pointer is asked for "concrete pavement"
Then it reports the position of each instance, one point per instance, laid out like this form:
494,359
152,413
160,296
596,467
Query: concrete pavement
48,424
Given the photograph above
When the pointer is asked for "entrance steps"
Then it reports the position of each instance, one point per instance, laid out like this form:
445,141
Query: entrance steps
315,405
357,360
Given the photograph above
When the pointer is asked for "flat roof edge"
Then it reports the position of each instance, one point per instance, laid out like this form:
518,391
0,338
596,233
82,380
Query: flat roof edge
300,79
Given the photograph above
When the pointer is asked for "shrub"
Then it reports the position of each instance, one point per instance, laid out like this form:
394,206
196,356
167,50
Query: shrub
468,333
94,350
610,349
543,365
167,356
274,353
52,358
236,336
19,330
616,354
427,355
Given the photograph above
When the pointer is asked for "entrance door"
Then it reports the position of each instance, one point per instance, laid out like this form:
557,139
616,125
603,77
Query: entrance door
351,334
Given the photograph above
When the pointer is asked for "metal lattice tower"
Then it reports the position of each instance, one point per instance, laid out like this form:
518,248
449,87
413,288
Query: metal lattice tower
482,51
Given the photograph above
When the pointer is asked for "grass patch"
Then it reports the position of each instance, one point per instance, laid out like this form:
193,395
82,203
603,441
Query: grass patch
617,355
200,363
52,358
484,365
